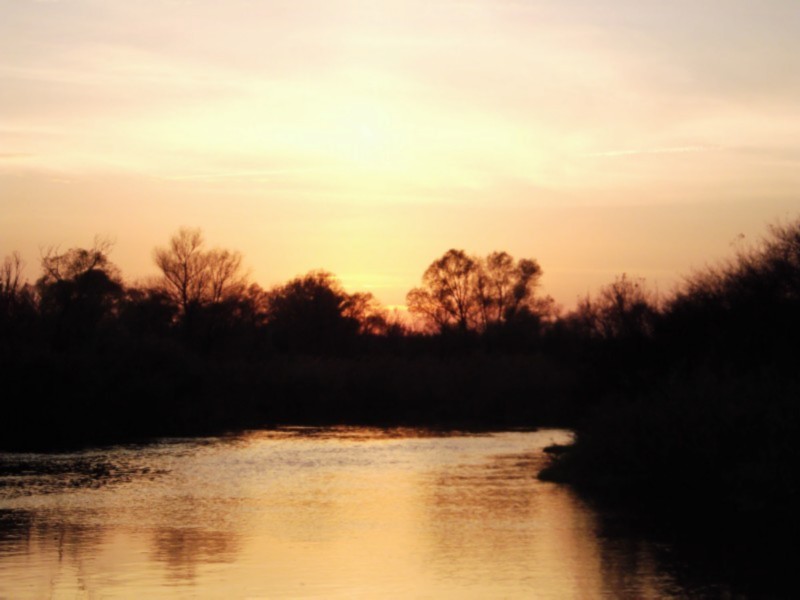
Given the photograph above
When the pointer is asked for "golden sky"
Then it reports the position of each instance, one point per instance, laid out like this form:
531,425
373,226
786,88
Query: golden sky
368,137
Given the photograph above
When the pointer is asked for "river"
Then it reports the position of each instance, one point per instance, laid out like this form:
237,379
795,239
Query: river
315,513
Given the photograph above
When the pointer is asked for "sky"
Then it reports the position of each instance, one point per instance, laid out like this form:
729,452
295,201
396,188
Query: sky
368,137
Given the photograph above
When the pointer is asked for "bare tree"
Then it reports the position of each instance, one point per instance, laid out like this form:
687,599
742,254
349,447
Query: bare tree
77,262
17,298
224,275
11,283
183,265
624,308
192,275
11,276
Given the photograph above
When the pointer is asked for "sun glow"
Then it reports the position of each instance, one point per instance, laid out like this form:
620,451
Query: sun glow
369,139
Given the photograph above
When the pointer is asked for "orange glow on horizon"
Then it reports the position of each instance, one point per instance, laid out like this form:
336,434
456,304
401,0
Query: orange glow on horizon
367,141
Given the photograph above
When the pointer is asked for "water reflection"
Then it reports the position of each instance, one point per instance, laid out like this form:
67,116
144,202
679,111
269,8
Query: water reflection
335,512
54,554
182,550
489,517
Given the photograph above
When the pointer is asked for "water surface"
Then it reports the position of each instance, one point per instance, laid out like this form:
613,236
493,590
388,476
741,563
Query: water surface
311,513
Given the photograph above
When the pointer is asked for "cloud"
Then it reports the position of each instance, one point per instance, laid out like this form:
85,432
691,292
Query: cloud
14,155
669,150
259,175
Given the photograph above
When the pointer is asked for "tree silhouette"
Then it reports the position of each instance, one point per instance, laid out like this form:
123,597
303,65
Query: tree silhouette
147,312
313,313
624,309
17,304
78,289
193,276
448,293
11,284
11,277
467,293
367,312
745,307
506,288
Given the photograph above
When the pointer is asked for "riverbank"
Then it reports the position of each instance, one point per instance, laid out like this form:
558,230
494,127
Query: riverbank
703,427
101,397
710,458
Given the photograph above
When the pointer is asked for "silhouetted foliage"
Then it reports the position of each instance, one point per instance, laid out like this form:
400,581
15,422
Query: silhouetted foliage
746,308
505,289
447,296
78,290
624,309
466,293
314,314
367,311
709,434
148,312
17,302
235,326
11,282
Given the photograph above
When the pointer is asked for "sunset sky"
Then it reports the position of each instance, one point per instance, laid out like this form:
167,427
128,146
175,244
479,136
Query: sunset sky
368,137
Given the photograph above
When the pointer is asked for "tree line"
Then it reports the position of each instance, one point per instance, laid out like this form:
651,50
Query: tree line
201,313
203,299
199,347
90,358
203,296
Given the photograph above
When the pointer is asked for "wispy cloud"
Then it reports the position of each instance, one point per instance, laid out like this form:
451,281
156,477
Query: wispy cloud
666,150
14,155
259,175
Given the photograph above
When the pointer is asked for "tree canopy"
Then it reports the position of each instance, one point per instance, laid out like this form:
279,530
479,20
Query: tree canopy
469,293
313,312
79,288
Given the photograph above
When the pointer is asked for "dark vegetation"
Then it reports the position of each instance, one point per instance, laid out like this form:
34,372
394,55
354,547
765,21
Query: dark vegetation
699,404
89,359
687,405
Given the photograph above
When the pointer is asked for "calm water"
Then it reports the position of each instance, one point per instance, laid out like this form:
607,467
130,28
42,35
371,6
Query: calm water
306,513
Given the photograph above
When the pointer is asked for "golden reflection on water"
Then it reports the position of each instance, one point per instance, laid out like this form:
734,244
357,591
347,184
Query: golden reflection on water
333,513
